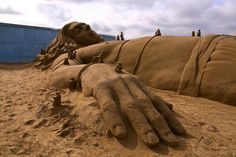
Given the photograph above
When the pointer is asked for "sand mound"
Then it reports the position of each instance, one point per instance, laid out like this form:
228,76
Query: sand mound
32,126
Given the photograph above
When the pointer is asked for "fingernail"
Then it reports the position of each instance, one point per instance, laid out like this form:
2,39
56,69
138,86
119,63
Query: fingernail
180,129
170,139
120,131
151,139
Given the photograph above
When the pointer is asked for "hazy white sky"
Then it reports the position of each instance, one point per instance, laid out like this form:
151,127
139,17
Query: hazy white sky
134,17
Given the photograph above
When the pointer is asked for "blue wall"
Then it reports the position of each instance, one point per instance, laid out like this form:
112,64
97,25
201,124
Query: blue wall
20,43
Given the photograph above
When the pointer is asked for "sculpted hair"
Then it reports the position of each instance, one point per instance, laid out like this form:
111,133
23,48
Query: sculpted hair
60,40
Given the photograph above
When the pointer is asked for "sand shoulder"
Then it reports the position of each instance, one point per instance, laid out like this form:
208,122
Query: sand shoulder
31,126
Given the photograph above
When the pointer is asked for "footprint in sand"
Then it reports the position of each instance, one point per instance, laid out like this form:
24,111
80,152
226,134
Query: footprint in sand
12,115
25,135
29,122
9,101
30,106
41,123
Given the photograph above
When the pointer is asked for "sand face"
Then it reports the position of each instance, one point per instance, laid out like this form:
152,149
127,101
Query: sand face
32,126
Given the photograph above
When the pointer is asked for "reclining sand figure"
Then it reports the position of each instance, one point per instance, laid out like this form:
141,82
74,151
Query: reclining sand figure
195,66
160,62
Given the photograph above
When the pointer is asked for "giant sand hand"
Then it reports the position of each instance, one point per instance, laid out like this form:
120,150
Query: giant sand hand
121,94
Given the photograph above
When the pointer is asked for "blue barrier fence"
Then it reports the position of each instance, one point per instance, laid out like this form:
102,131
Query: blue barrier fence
20,43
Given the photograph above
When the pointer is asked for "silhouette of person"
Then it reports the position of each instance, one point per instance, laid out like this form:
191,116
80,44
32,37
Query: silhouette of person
158,32
122,36
117,37
199,33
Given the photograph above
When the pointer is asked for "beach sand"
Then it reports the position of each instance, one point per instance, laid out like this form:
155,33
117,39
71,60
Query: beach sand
31,126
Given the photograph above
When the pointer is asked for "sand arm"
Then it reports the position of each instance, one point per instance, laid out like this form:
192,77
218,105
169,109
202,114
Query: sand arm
60,77
109,50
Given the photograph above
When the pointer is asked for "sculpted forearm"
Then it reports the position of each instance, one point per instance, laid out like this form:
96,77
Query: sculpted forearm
60,77
109,51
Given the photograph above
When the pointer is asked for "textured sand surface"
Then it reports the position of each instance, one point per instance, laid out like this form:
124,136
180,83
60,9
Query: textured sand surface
31,126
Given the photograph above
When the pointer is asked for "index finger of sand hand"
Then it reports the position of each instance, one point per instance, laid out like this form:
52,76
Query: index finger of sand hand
135,115
160,105
104,95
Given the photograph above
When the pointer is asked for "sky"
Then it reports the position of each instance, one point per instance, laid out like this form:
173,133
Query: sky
135,18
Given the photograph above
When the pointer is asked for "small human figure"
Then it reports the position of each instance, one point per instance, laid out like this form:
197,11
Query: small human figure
72,84
199,33
193,33
118,37
71,54
59,50
43,52
66,61
118,67
60,46
122,36
57,100
46,59
98,58
158,32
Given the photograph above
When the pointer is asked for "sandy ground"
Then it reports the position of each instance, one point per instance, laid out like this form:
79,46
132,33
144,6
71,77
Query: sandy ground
31,126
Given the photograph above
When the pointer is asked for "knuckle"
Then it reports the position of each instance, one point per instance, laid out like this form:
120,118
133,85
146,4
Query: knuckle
145,103
102,84
139,122
108,106
125,76
129,77
155,117
143,100
99,87
116,78
167,113
128,106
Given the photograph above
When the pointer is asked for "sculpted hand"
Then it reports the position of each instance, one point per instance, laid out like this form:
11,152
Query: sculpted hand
123,94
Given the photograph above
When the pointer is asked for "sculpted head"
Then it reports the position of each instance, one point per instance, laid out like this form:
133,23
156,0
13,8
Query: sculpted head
74,33
81,33
71,37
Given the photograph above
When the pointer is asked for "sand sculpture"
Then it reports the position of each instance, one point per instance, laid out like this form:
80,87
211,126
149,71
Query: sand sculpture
199,66
116,91
111,73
